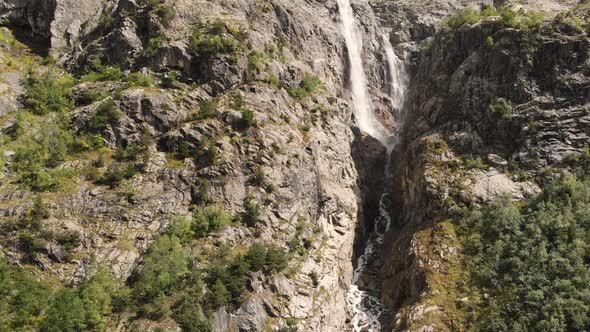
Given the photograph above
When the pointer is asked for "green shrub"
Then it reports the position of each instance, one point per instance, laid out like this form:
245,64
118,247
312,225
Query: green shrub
117,173
464,16
207,153
276,260
142,80
96,296
218,295
105,115
85,308
207,109
68,239
314,279
237,101
166,14
88,142
210,219
23,122
23,299
30,242
190,320
532,259
256,257
155,44
252,212
164,266
133,152
210,46
311,84
248,119
48,93
474,163
509,18
526,20
273,81
44,148
106,20
489,42
255,64
171,80
66,312
227,281
103,74
258,177
200,192
29,305
267,258
32,218
90,96
184,150
308,86
501,107
569,22
215,39
181,228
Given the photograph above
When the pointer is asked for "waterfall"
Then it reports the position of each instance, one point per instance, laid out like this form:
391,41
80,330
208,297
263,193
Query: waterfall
396,82
361,99
395,79
367,310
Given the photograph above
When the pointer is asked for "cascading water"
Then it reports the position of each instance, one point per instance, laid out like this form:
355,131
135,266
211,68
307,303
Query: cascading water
396,78
363,107
367,309
396,82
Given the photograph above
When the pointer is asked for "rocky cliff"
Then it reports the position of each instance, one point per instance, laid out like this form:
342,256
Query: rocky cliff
276,137
493,110
173,111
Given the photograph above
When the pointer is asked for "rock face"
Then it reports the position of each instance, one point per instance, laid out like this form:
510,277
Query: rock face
234,122
452,102
302,147
63,22
38,15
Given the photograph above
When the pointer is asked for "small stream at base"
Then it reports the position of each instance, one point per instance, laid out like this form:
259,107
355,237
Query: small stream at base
368,311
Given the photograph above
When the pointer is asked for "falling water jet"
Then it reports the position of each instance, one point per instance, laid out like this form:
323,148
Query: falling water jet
395,79
396,82
361,99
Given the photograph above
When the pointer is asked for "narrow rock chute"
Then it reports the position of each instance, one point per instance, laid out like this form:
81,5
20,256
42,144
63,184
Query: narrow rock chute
368,313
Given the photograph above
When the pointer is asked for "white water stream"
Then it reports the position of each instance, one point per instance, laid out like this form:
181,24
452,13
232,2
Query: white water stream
367,310
396,80
361,99
365,305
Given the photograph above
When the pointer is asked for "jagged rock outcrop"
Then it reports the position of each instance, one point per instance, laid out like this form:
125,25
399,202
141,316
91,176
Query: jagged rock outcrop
453,103
63,22
34,14
298,145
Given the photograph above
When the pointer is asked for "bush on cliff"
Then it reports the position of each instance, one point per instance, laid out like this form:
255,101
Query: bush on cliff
210,219
215,38
164,265
308,86
106,114
48,92
533,260
27,304
508,18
